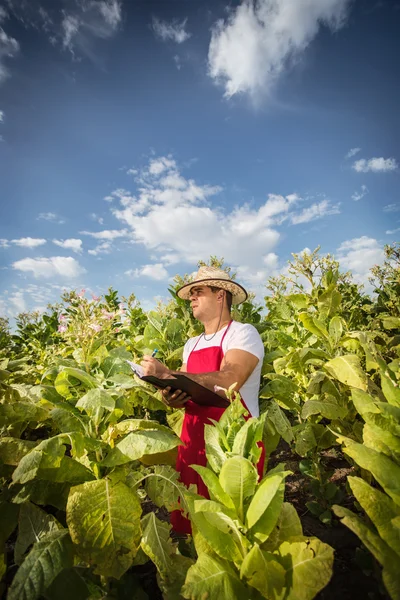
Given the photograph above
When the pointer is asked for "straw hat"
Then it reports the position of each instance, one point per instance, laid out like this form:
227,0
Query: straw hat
213,277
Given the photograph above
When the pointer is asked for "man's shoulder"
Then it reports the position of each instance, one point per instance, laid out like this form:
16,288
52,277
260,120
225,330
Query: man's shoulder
244,328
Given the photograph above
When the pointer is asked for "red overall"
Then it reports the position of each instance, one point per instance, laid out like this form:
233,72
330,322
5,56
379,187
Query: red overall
206,360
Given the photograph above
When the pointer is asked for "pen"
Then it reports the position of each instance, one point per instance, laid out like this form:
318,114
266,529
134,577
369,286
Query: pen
154,352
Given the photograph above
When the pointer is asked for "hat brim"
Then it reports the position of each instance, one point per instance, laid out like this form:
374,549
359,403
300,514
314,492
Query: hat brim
238,292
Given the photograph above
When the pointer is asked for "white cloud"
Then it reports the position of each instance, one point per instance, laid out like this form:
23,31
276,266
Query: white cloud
96,218
106,234
352,152
315,211
391,208
392,231
1,116
70,244
9,47
260,39
174,30
358,256
96,18
103,248
375,165
29,242
358,195
50,216
156,271
17,301
172,217
4,243
62,266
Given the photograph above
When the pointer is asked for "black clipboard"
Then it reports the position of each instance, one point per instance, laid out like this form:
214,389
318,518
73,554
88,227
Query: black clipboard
198,393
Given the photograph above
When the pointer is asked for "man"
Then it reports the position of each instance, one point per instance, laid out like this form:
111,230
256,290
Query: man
226,353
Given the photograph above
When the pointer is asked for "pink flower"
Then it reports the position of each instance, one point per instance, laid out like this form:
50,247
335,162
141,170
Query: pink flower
81,293
95,298
121,306
62,329
62,318
107,315
96,327
116,330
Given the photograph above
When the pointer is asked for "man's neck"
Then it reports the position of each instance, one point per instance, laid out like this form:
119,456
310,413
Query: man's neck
213,325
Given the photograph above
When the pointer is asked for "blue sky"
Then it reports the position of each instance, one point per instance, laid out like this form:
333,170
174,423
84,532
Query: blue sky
139,137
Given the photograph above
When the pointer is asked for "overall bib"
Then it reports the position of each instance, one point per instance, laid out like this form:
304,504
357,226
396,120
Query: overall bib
205,360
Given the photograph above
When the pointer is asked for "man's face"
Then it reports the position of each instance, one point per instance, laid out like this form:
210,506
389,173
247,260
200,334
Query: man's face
204,302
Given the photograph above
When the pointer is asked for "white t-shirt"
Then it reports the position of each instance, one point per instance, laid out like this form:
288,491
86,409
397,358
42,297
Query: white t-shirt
241,336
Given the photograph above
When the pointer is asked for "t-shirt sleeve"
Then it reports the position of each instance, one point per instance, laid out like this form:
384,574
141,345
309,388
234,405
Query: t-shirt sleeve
246,338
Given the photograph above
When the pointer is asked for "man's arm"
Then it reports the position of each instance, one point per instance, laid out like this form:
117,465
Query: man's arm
236,367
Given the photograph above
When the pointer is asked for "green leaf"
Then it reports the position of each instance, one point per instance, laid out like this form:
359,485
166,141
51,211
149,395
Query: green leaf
8,521
113,365
34,523
42,565
390,389
335,329
21,412
140,443
104,522
12,450
68,419
214,452
94,401
238,478
44,493
215,489
263,498
288,526
391,322
327,407
68,584
382,552
385,471
175,421
174,331
382,511
71,377
305,438
382,441
347,369
280,421
329,302
308,566
47,455
212,577
128,425
263,572
156,543
163,487
314,325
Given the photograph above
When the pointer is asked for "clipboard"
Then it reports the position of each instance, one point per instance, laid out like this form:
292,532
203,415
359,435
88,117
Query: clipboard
198,393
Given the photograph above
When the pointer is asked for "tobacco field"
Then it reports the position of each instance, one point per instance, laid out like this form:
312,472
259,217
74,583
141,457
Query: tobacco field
87,450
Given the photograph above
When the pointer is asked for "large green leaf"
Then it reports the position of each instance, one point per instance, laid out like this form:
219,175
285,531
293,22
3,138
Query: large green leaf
347,369
335,329
42,565
305,438
385,471
140,443
104,521
313,325
288,526
327,407
21,412
214,452
94,401
128,425
156,543
215,489
382,441
12,450
69,377
308,566
280,421
163,487
390,389
68,419
263,572
47,455
212,577
238,478
113,365
329,302
34,523
377,546
382,511
68,584
264,496
8,521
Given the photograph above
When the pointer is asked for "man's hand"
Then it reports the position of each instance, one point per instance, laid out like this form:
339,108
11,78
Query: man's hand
152,366
177,399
